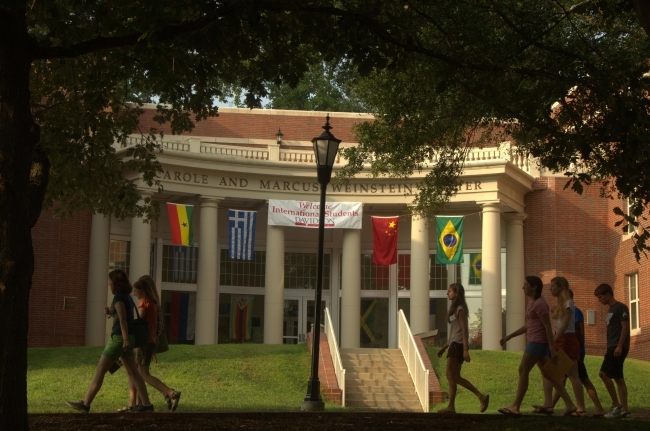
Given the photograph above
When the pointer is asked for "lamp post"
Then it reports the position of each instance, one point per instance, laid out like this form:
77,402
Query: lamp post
278,137
325,149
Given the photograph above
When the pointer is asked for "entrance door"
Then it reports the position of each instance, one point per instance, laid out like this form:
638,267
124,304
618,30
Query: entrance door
299,315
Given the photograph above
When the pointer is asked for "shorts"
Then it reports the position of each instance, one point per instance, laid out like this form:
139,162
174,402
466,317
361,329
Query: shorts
455,350
613,366
570,344
114,350
144,354
582,370
538,350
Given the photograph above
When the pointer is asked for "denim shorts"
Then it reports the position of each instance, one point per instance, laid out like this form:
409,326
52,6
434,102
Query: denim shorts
114,350
538,350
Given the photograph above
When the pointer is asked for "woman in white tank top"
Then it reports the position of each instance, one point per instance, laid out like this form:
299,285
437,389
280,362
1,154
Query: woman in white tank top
458,345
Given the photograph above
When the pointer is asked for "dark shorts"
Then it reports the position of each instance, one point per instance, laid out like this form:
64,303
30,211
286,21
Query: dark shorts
538,350
582,370
570,344
613,366
144,354
455,351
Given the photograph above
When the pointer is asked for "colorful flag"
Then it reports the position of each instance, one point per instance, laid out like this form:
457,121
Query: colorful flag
449,231
384,233
241,234
241,317
475,268
182,316
180,223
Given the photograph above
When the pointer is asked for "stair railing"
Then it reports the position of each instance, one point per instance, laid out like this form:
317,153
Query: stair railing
419,373
336,354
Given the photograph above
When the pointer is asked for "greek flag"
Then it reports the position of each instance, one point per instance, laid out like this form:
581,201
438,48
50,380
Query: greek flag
241,234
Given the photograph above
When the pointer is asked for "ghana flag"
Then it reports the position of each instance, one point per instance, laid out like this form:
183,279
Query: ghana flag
180,224
449,232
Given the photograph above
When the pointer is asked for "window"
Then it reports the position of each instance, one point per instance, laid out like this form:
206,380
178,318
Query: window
404,272
631,229
180,264
633,288
119,255
373,277
438,274
300,270
239,272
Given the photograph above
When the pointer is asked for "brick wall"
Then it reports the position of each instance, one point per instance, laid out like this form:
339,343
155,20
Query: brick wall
61,249
572,235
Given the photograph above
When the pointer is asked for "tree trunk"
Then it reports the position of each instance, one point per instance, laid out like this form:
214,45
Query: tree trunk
23,178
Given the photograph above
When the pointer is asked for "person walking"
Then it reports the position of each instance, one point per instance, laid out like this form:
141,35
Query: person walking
149,308
565,339
582,369
618,346
458,349
539,348
119,345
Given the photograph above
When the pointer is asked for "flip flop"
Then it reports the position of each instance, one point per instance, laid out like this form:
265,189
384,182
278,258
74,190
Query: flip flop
579,413
598,415
569,412
485,403
541,410
506,411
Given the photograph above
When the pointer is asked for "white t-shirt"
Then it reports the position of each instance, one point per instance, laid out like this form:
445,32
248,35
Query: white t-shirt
455,331
572,320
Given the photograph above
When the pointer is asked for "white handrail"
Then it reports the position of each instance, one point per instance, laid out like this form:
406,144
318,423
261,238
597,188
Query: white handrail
419,373
336,355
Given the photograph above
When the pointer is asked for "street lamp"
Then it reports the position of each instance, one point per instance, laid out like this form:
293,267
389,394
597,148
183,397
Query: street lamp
325,148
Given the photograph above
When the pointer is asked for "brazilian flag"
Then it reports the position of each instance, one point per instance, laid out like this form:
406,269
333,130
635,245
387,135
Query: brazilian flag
449,231
475,268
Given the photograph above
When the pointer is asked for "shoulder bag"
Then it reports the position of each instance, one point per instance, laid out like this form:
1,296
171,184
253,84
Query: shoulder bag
139,328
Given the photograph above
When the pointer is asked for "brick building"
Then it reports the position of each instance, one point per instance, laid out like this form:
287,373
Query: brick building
518,221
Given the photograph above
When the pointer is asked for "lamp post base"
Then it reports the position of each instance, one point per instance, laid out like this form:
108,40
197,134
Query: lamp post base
312,406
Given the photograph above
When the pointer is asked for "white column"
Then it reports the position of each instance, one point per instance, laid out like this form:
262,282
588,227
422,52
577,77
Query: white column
207,282
140,245
515,273
419,318
351,290
97,280
491,275
274,289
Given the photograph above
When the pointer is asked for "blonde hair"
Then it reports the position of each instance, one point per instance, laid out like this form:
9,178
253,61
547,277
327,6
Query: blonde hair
148,288
565,294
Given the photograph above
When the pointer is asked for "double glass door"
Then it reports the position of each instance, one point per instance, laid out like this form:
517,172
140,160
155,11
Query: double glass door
299,314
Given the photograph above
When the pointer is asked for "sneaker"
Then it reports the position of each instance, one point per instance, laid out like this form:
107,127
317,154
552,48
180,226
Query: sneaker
614,412
175,398
625,415
142,409
79,405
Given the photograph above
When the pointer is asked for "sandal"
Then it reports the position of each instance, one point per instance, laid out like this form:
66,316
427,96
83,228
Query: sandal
541,410
175,398
579,413
125,409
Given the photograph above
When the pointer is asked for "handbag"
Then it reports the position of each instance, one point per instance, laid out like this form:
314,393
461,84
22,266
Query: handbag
162,345
139,328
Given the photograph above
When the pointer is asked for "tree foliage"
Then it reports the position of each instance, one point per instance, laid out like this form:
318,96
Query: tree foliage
326,86
569,82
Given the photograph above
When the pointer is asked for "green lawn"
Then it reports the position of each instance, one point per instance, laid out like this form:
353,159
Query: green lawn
257,377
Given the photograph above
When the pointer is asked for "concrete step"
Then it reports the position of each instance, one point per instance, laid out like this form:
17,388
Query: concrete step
392,388
372,363
401,369
384,352
380,396
351,373
384,405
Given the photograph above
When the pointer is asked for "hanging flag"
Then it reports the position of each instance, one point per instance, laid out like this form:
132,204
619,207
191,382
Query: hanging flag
475,268
180,223
241,317
449,231
182,316
241,234
384,234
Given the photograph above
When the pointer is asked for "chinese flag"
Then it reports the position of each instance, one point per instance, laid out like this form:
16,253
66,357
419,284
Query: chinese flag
384,234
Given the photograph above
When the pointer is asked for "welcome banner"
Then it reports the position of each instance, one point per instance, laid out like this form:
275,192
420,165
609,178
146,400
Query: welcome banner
340,215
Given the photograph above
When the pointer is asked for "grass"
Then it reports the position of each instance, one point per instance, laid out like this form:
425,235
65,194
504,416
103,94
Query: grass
258,377
495,373
225,377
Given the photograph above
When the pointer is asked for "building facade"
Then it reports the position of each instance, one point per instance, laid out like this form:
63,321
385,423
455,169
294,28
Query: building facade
518,221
